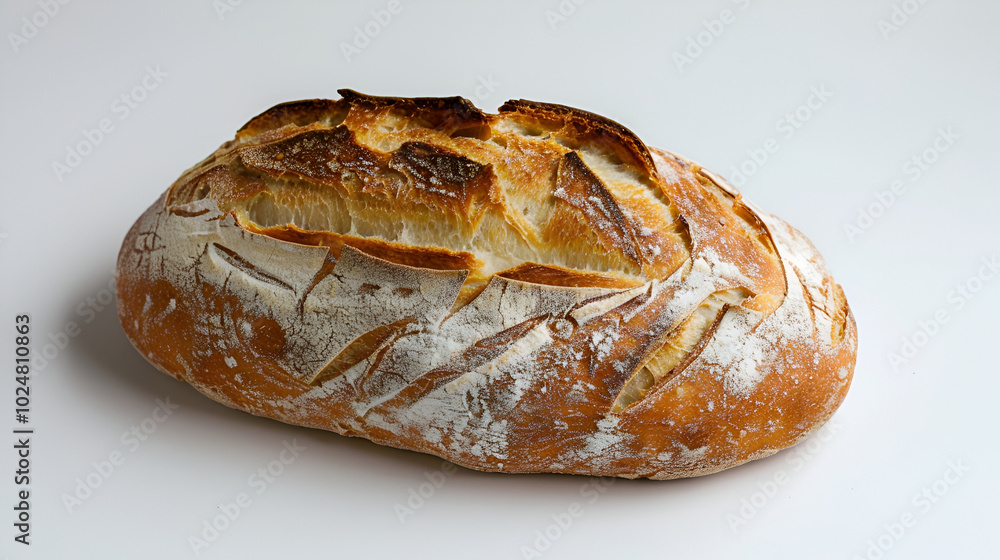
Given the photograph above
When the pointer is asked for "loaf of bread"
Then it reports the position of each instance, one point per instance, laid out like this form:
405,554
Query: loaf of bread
529,291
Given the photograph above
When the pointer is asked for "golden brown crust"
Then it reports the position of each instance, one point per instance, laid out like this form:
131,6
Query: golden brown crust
577,127
299,113
557,276
426,257
534,290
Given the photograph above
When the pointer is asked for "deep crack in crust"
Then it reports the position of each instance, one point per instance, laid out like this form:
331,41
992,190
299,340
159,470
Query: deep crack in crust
531,291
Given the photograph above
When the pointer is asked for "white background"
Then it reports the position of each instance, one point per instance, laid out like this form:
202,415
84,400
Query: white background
895,436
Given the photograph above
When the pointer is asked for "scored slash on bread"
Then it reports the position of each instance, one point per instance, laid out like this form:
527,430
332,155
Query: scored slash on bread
529,291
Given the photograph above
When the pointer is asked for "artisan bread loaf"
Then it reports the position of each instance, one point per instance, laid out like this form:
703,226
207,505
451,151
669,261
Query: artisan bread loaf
529,291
